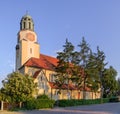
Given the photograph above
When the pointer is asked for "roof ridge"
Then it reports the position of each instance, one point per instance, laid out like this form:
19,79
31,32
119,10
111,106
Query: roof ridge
48,56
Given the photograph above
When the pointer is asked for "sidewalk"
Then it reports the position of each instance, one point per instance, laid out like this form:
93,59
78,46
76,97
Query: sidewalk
7,112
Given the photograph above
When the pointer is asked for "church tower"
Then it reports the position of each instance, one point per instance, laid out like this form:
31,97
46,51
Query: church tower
27,45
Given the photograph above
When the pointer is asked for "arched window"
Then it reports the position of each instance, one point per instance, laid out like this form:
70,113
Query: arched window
24,25
41,81
29,25
52,77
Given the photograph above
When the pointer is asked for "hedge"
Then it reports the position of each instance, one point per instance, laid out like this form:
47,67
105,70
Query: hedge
74,102
39,104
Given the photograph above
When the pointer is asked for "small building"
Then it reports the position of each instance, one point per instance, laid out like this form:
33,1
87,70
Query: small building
42,67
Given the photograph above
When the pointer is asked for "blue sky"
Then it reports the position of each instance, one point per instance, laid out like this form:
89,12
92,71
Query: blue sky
55,20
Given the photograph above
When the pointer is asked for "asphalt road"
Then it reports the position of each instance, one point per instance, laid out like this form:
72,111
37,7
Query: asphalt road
108,108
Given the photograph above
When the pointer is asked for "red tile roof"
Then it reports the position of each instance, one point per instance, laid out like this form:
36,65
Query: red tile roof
46,62
65,86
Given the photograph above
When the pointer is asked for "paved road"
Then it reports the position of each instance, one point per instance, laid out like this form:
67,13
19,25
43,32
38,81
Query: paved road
108,108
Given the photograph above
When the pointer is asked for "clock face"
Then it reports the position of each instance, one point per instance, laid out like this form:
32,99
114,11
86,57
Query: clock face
30,36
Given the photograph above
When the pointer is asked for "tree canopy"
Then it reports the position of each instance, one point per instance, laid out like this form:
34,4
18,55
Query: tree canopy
83,67
17,87
110,85
64,67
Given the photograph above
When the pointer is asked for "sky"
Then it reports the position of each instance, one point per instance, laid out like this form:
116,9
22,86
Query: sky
55,20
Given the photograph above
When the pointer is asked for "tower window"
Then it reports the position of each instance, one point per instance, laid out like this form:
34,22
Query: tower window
25,18
29,25
30,50
24,25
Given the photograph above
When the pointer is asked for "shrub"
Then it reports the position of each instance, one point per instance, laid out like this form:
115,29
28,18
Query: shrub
30,104
42,101
114,99
43,97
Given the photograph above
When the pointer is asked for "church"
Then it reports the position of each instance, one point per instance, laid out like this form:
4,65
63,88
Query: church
41,67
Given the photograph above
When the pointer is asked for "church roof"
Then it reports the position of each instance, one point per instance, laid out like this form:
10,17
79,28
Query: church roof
65,86
27,16
45,62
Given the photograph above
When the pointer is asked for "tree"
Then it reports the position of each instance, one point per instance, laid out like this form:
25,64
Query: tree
118,81
18,87
100,66
92,73
1,101
84,54
94,70
93,65
110,84
64,66
83,67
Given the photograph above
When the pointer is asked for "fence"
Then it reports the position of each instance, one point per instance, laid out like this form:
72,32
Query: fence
9,106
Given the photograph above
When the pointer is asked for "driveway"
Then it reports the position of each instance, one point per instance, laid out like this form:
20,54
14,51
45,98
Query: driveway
108,108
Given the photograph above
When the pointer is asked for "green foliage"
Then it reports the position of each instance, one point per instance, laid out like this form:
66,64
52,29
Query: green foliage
114,99
94,70
82,67
42,101
43,97
75,102
118,81
83,57
83,53
110,83
85,68
18,87
63,68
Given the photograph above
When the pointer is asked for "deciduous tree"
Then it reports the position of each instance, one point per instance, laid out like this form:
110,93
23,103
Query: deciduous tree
110,84
18,87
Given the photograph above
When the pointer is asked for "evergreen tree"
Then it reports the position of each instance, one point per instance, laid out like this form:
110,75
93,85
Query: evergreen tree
118,81
92,72
86,69
100,66
64,66
84,54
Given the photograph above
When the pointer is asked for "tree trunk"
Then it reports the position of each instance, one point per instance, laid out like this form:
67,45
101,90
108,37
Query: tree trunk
1,105
20,105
